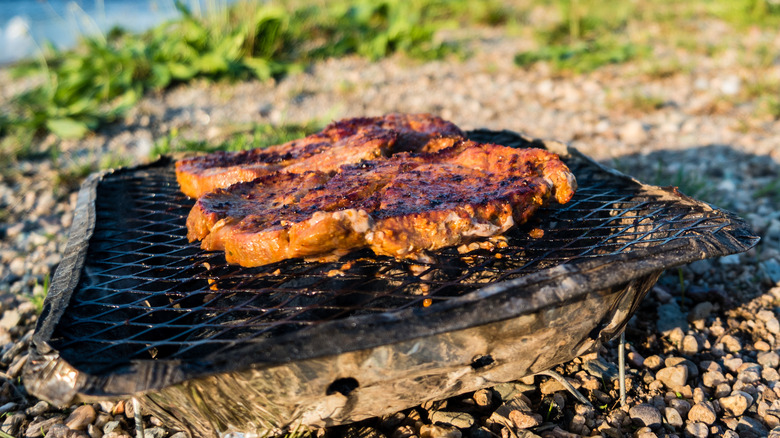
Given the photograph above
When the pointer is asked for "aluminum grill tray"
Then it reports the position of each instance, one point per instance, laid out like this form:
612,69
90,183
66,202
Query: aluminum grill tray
135,309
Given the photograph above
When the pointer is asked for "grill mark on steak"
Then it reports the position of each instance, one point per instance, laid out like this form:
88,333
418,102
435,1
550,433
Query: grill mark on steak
342,142
402,206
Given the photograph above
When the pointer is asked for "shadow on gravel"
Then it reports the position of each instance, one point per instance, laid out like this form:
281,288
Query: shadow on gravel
718,174
694,295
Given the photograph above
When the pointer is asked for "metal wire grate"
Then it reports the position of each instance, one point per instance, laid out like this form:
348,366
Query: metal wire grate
147,293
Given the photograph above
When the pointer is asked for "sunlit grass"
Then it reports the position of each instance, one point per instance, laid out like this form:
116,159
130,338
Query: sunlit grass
96,83
258,136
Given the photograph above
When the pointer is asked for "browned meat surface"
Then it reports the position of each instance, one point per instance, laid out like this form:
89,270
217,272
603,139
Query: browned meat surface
342,142
402,206
266,193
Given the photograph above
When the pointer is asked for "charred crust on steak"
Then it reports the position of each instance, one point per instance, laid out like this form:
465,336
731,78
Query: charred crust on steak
341,142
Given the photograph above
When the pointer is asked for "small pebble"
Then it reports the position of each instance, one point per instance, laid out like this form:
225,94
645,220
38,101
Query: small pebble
737,403
673,377
697,430
460,420
483,398
645,415
703,412
732,344
673,417
653,362
81,417
769,359
437,431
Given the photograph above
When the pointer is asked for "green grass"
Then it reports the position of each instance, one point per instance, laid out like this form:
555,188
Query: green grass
261,135
38,299
106,75
689,183
580,57
770,190
95,84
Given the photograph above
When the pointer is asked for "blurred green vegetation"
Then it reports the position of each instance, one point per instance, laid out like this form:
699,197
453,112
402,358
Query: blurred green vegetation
261,135
96,83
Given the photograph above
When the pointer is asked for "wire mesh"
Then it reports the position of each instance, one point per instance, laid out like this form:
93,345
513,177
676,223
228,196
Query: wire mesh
147,293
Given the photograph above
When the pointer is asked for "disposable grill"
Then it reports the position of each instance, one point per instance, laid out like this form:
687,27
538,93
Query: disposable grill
136,310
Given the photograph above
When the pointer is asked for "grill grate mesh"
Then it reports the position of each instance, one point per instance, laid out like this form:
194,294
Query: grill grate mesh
147,293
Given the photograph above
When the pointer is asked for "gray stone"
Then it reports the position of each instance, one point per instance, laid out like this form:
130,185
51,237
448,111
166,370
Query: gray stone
461,420
737,403
159,432
524,419
113,426
750,428
106,406
700,267
515,413
437,431
653,362
732,363
732,344
712,379
681,405
508,391
40,427
94,431
58,430
690,345
770,375
17,266
730,260
771,268
645,415
750,374
12,423
768,359
773,326
700,311
37,409
601,369
698,395
703,412
671,317
81,417
673,417
633,132
673,377
697,430
693,370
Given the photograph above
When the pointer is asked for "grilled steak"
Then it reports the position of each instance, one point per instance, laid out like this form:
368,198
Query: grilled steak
343,142
401,206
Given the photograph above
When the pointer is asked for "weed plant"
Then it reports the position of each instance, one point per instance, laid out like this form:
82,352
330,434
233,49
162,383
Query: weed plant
107,74
98,82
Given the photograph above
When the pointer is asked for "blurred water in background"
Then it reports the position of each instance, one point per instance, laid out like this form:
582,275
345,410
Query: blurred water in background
26,24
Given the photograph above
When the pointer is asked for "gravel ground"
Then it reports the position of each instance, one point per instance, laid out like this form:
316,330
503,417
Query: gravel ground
700,364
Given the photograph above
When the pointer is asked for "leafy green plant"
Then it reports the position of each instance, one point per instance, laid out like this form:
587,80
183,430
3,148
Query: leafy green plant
96,83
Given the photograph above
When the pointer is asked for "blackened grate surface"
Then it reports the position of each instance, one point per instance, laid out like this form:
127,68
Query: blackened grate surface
147,293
